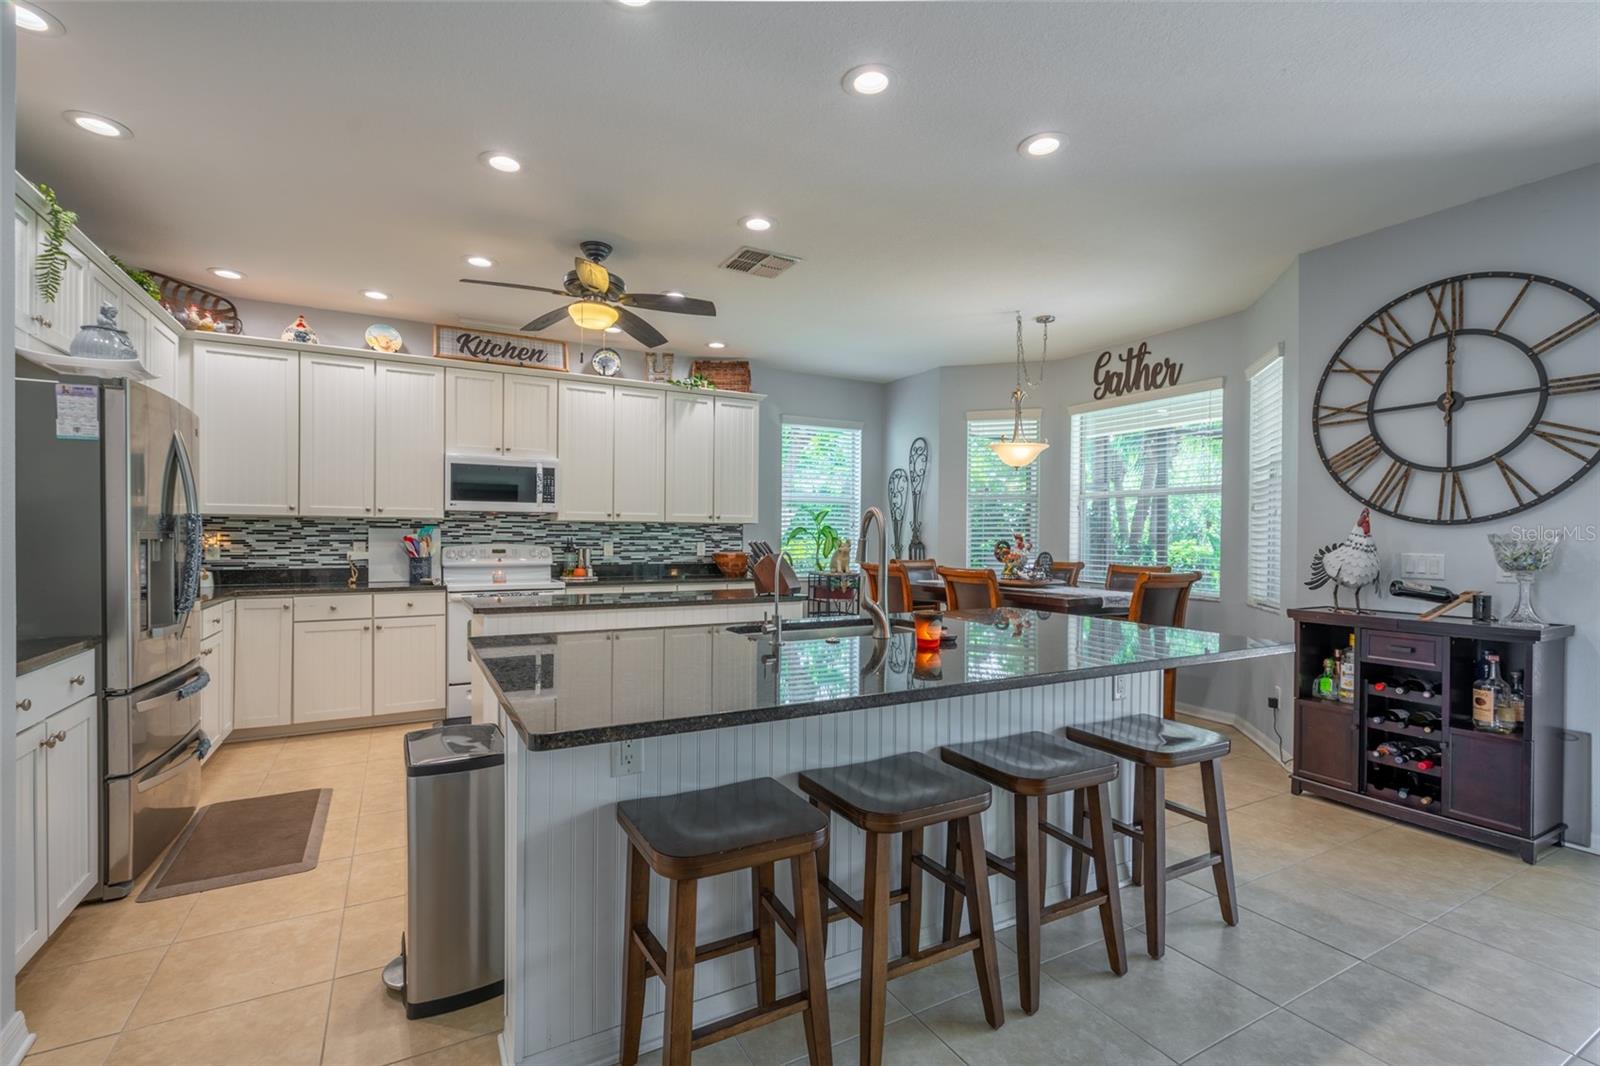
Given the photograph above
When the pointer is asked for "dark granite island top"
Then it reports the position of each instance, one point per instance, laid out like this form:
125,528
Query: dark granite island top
529,602
557,690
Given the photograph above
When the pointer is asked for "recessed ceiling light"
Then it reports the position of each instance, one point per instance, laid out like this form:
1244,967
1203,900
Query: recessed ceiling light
869,80
226,272
35,21
617,329
716,344
674,293
756,223
98,125
633,3
374,294
480,261
1042,144
505,164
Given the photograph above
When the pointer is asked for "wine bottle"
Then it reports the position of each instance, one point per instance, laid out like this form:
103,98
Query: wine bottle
1427,721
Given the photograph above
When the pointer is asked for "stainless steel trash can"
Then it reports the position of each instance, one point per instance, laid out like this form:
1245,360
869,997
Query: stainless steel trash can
452,953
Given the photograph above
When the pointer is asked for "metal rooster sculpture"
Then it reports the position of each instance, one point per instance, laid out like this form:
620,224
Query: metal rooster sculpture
1353,563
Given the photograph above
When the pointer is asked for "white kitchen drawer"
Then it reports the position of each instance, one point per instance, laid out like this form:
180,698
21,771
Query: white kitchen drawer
49,689
331,608
211,620
407,604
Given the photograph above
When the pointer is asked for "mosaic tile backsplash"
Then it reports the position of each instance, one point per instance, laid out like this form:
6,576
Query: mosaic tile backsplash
255,542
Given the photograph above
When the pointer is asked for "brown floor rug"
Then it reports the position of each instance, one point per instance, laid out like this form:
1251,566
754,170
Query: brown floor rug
243,840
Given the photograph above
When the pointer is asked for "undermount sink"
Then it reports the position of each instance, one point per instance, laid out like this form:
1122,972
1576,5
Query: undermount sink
818,628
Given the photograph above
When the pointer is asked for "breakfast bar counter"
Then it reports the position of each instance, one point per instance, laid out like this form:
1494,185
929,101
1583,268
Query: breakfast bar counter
605,716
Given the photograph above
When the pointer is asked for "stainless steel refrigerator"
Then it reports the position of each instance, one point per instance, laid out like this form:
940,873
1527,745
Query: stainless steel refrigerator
108,542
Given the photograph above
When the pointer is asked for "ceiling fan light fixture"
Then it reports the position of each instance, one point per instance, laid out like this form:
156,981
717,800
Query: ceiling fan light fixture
592,314
613,329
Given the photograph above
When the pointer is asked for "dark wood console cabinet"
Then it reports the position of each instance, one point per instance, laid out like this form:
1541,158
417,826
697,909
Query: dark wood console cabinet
1495,789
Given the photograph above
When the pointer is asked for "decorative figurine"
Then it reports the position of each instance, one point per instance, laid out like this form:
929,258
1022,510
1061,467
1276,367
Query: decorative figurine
840,561
299,332
1353,564
197,319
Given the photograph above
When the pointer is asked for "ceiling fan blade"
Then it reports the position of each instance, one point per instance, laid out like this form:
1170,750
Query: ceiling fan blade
514,285
548,319
639,329
592,275
655,301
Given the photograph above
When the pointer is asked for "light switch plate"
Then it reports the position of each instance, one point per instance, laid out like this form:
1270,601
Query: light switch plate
606,549
1427,566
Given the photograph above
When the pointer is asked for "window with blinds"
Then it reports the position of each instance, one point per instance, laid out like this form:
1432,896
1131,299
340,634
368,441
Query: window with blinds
1148,489
1001,500
994,653
821,482
1265,565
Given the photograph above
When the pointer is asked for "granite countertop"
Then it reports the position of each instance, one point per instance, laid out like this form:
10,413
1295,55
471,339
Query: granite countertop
35,653
531,602
555,696
233,583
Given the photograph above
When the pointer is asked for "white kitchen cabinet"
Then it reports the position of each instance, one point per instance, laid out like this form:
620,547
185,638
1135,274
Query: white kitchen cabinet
71,806
100,289
248,400
690,445
736,459
211,695
24,232
585,429
336,436
216,655
639,424
225,684
409,467
531,417
686,676
263,662
733,672
583,680
56,323
474,413
636,676
408,664
332,670
31,922
161,357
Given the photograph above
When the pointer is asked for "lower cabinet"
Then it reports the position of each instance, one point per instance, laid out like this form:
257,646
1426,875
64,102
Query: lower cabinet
1327,743
57,821
332,670
1486,780
263,662
216,655
408,671
31,922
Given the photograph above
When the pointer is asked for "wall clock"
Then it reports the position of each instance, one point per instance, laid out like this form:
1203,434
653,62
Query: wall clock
1465,400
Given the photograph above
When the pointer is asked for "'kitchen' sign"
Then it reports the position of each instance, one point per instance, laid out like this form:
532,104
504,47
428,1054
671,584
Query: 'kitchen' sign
492,346
1139,372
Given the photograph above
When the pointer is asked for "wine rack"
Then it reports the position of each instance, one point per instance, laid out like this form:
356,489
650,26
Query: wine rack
1414,684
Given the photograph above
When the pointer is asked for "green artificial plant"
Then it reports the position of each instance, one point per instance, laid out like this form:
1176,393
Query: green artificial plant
140,278
51,263
812,530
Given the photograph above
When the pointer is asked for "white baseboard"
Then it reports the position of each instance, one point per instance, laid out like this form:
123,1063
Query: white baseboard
15,1040
1251,731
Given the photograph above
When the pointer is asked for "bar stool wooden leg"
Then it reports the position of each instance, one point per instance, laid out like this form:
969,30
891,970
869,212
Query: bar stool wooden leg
952,862
762,879
1104,839
1076,861
679,1031
1136,854
1030,897
813,975
634,970
875,949
1217,835
911,880
975,871
1154,859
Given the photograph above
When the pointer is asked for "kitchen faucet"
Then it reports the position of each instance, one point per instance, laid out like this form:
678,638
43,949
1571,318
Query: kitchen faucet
878,611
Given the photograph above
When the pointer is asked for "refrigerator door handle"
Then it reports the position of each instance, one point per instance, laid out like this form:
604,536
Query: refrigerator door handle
180,689
171,766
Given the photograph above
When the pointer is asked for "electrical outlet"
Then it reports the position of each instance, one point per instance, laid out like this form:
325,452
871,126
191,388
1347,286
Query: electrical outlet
1422,565
606,551
700,549
1119,687
624,758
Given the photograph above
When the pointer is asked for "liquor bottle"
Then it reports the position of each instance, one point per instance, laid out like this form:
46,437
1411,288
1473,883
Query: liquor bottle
1489,695
1323,686
1347,673
1516,704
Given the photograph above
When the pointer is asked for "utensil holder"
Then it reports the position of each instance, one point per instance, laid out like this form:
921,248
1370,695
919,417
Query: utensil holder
421,569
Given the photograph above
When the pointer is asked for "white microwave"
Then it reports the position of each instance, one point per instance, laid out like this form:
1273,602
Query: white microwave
497,483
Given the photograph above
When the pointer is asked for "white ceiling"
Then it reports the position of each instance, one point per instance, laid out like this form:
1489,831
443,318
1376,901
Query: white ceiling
327,148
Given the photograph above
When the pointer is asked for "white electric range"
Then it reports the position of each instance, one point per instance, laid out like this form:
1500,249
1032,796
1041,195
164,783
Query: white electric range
474,569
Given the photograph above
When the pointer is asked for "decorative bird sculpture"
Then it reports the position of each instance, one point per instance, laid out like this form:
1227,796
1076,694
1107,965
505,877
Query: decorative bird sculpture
1353,563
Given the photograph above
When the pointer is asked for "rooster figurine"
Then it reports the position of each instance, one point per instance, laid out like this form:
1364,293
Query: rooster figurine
1353,564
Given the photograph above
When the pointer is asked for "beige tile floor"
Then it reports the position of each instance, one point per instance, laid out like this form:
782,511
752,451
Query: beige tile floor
1361,941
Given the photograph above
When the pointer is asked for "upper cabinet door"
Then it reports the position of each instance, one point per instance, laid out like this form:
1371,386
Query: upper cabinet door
473,411
585,431
734,480
56,323
25,226
640,427
530,428
690,446
336,436
161,358
248,400
410,441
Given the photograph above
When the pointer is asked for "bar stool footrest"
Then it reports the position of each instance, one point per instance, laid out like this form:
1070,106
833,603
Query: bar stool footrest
746,1020
1187,811
1189,866
1071,840
905,964
1073,905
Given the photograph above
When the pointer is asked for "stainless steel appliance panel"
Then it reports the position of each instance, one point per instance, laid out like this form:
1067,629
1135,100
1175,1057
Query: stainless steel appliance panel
150,721
474,483
145,811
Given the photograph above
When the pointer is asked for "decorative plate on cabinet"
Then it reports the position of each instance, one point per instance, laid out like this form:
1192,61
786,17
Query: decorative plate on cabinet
382,338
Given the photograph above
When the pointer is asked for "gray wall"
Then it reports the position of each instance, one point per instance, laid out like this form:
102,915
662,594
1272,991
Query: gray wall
911,410
9,1024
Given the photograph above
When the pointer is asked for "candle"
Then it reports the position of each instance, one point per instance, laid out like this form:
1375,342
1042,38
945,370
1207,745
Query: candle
928,666
930,628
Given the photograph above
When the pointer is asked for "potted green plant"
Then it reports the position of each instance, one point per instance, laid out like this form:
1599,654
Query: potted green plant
811,534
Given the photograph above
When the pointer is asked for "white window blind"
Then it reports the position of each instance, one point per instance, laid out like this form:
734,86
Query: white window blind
1008,649
1265,567
1148,489
821,476
1001,500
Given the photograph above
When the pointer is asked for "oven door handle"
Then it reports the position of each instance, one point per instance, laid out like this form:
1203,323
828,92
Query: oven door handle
173,764
180,689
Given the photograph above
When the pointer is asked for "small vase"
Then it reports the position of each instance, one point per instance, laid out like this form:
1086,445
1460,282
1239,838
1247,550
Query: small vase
1523,613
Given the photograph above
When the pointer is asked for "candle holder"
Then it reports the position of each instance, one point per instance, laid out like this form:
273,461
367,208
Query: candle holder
928,666
930,630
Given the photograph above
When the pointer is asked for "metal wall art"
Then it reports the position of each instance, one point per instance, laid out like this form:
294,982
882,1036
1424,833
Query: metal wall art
918,466
897,509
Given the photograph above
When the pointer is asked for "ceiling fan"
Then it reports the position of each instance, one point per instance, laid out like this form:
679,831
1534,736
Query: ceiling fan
603,300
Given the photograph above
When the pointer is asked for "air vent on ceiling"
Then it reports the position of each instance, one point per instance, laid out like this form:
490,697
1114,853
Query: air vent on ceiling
757,263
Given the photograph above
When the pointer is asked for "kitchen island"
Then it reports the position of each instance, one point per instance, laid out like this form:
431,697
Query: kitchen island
597,717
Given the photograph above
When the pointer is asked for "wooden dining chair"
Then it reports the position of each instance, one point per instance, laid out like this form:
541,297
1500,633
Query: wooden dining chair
899,586
970,589
1162,599
1069,572
918,564
1122,578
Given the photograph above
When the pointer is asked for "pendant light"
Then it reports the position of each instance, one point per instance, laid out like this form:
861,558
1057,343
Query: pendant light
1017,451
592,314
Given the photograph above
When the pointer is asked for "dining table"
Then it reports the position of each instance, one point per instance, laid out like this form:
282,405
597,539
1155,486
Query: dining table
927,589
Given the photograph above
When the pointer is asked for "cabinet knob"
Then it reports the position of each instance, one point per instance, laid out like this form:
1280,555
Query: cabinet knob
380,510
208,651
24,704
46,323
286,607
380,629
366,509
78,680
59,737
48,742
365,628
332,607
410,604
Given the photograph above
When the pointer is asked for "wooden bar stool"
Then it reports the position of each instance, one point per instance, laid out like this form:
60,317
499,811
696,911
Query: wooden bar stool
903,795
747,826
1155,745
1033,767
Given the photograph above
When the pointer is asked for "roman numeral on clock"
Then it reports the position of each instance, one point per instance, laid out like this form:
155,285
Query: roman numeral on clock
1369,376
1509,472
1387,328
1349,463
1449,307
1574,383
1458,492
1393,484
1567,332
1348,415
1564,436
